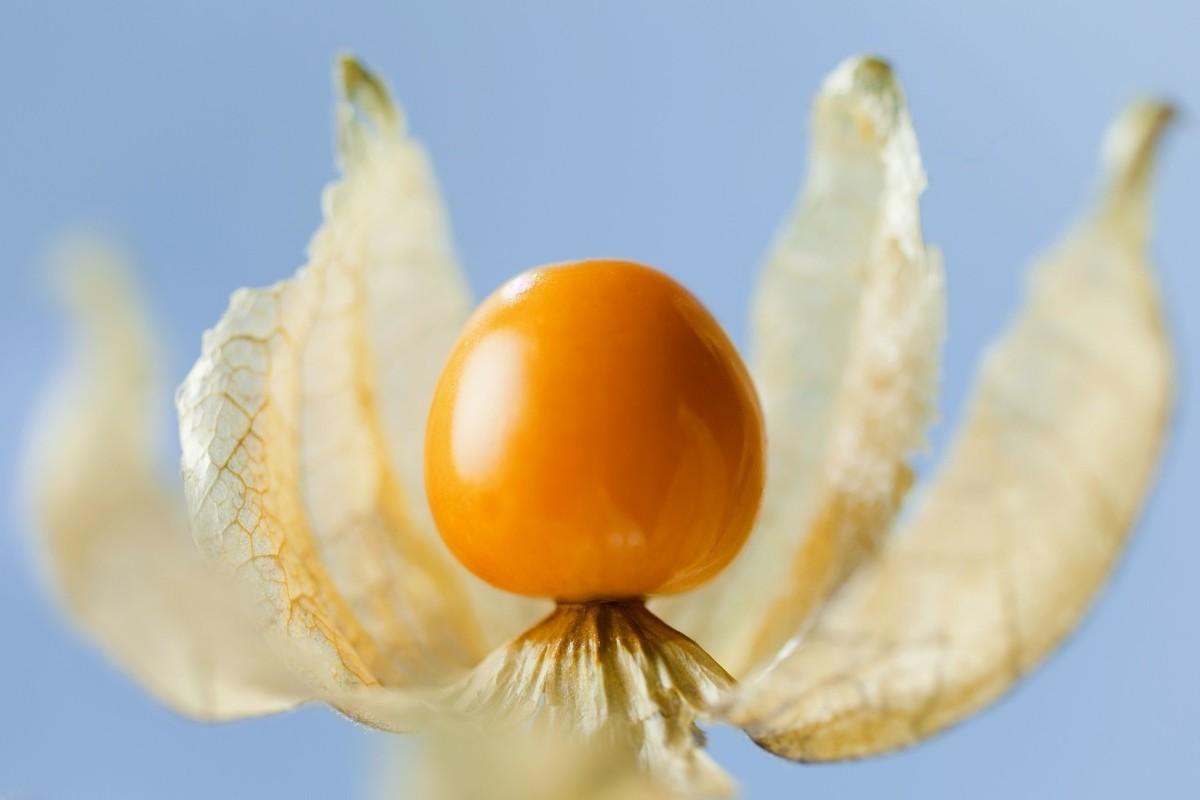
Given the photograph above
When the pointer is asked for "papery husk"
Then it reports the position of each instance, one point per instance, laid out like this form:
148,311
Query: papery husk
111,528
1022,523
302,428
847,330
529,765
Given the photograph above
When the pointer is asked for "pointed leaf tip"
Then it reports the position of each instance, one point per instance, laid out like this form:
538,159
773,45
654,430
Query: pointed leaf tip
865,73
365,108
1130,146
859,77
861,100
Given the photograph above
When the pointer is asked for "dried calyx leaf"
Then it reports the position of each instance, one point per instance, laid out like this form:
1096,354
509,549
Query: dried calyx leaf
610,676
302,426
112,529
1022,524
458,764
848,323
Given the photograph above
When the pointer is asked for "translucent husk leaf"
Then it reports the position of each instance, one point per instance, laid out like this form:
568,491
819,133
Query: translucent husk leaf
112,530
605,678
302,426
848,321
463,765
1021,526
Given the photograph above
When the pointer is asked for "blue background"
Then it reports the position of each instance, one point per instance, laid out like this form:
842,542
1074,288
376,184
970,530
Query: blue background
670,132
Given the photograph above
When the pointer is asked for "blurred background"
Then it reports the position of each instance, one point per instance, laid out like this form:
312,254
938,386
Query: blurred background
199,135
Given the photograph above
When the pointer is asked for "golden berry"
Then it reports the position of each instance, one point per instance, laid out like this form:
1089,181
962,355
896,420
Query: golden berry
594,434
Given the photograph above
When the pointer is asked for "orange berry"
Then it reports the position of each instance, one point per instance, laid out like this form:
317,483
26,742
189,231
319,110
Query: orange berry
594,435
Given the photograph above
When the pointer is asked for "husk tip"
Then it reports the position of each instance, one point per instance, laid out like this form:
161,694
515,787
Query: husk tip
861,74
359,86
861,98
365,110
86,268
1131,144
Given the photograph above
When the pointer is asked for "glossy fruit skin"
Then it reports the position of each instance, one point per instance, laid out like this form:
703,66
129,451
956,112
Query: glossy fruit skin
594,435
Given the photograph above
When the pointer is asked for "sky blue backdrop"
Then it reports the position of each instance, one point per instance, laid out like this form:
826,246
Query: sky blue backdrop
671,132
